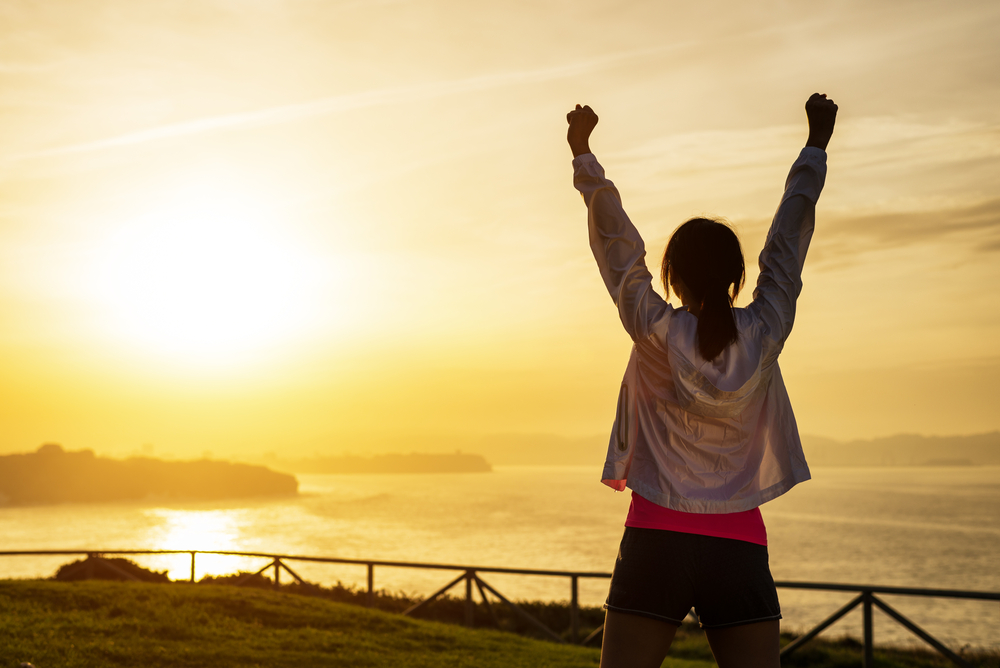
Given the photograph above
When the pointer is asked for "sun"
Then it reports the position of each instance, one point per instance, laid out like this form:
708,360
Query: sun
207,276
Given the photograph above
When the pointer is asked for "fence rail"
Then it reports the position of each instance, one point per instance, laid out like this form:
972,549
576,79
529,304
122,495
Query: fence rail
866,594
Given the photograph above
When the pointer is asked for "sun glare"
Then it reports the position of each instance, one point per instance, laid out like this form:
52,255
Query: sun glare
199,530
206,278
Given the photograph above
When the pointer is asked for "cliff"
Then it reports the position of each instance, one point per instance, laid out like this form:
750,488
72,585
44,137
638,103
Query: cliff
53,475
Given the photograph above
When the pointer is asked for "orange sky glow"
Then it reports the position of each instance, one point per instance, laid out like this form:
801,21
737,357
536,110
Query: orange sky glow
349,226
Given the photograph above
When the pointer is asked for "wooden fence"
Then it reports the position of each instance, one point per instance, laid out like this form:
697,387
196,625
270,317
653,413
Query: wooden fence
470,575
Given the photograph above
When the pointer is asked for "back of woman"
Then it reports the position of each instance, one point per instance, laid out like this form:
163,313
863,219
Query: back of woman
704,431
701,421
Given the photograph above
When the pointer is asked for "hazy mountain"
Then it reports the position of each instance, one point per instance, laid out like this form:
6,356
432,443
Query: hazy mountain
390,463
905,450
898,450
541,450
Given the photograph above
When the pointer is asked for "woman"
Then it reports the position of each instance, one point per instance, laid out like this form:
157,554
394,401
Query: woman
704,432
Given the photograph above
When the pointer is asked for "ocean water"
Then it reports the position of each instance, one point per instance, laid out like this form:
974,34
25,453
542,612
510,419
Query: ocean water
916,527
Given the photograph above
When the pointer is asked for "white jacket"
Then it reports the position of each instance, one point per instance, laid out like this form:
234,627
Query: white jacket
690,434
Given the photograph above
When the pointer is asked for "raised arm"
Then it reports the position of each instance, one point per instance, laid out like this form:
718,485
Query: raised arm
617,246
784,252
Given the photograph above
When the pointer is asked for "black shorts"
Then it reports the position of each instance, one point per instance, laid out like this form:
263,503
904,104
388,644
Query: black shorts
663,574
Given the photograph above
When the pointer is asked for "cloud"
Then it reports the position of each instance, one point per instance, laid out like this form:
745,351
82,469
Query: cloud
892,182
959,232
28,68
339,103
980,221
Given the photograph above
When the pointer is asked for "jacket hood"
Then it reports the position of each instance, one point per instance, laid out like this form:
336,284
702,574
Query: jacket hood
722,387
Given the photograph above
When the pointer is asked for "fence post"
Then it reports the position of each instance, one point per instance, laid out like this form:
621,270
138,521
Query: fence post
574,609
869,656
371,585
277,574
192,566
469,603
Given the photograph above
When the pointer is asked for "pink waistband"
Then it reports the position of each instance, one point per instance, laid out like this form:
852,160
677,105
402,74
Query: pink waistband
747,525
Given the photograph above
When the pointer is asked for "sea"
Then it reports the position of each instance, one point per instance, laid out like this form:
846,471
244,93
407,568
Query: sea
928,527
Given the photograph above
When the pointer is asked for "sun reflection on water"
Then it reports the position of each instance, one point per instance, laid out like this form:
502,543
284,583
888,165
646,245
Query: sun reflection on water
199,530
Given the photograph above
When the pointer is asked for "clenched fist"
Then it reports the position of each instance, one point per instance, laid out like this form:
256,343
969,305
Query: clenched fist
822,114
582,121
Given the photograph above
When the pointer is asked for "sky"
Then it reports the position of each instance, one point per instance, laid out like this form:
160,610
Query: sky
320,227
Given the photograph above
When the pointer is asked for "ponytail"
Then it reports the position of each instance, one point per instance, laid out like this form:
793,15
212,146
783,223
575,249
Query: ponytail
716,324
706,256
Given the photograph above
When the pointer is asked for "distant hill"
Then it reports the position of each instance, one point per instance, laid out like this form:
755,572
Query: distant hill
53,475
905,450
899,450
527,449
392,463
542,450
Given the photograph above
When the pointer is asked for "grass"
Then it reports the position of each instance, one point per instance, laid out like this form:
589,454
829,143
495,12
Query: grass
689,644
95,623
102,623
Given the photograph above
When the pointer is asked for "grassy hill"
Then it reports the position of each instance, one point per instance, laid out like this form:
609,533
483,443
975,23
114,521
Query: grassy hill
92,624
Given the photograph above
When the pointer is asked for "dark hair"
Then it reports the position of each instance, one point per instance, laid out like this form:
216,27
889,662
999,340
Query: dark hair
706,256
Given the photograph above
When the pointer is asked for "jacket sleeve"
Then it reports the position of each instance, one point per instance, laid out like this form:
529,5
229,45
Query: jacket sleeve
618,249
784,252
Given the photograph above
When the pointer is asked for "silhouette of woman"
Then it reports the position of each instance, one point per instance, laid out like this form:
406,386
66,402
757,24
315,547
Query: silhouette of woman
704,432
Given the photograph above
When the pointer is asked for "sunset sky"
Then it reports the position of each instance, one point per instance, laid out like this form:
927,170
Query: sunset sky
304,226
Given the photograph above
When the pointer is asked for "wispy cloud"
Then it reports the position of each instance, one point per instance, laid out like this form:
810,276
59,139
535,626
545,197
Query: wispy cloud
962,233
892,182
338,103
28,68
900,228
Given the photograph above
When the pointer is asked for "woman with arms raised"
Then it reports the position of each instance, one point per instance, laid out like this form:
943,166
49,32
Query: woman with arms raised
704,432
